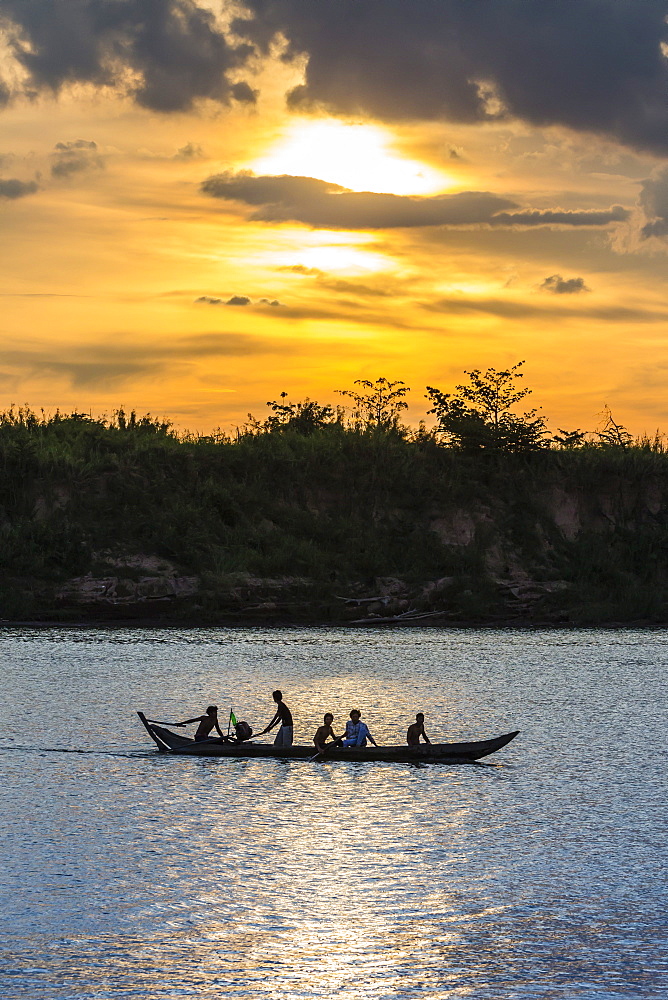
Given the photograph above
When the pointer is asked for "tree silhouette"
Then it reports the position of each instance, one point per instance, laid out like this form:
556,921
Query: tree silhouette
477,415
380,406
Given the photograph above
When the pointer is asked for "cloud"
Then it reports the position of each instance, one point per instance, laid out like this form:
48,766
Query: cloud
547,217
236,300
594,66
653,202
109,365
191,151
12,188
512,309
564,286
301,269
166,53
324,205
324,280
76,157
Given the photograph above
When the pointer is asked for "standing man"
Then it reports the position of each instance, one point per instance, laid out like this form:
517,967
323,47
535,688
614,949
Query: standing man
416,731
357,732
284,716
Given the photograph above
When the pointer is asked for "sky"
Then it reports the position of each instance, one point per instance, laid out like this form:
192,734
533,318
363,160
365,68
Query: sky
205,204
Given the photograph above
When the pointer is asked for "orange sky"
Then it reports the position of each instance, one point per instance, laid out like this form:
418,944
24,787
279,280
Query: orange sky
125,281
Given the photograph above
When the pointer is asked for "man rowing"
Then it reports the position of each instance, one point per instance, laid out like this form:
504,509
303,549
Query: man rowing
357,732
283,715
206,724
324,733
416,730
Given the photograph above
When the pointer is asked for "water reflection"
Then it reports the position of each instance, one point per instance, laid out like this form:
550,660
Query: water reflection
130,874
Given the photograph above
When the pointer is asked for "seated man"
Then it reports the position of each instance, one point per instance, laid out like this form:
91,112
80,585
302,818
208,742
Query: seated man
416,731
324,733
357,732
206,724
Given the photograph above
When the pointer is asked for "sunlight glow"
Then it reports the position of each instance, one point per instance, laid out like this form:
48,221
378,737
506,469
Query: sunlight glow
358,157
342,259
340,253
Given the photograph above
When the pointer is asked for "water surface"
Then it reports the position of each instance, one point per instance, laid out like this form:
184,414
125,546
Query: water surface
127,873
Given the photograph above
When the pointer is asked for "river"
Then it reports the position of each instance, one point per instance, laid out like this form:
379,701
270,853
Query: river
540,873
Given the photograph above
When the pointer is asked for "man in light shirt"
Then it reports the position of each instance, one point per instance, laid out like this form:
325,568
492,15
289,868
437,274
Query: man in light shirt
357,732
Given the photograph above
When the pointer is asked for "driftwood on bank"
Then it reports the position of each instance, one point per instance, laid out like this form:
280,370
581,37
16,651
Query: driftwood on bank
357,602
407,616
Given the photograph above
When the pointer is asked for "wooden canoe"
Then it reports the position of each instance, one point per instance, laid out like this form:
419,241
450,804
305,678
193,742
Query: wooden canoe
426,753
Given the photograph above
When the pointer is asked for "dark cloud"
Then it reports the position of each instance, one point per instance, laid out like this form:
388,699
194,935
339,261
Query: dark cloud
238,300
173,51
550,217
564,286
594,65
329,206
654,204
244,93
269,302
324,205
12,188
75,157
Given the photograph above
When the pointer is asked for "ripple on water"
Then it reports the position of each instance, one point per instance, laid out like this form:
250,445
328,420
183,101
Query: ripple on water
129,874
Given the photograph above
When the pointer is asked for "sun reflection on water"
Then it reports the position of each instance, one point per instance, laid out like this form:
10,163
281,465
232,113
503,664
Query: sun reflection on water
141,875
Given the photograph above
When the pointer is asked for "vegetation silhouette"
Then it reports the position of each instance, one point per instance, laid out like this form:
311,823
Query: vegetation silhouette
484,518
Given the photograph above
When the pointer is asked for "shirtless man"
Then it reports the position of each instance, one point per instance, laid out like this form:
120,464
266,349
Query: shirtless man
416,731
324,733
206,723
284,716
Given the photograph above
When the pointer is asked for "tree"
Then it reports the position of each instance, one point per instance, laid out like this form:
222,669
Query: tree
570,439
304,417
477,416
612,433
380,406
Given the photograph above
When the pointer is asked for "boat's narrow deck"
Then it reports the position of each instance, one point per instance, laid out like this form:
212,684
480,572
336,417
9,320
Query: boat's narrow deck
169,742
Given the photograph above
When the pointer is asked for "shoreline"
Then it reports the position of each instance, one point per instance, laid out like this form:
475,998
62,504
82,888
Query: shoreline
165,621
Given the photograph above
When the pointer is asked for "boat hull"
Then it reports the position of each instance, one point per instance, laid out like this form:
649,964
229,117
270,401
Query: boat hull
426,753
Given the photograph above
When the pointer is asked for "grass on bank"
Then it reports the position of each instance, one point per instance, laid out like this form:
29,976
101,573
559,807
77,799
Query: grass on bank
339,507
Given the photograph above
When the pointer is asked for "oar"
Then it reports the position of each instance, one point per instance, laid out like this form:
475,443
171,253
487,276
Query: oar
321,753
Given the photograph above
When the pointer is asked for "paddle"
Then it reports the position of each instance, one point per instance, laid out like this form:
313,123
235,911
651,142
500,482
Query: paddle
336,744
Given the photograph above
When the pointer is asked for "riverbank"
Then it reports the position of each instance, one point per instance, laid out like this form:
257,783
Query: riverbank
99,523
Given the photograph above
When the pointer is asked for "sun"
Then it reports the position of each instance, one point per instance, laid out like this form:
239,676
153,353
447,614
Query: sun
356,156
